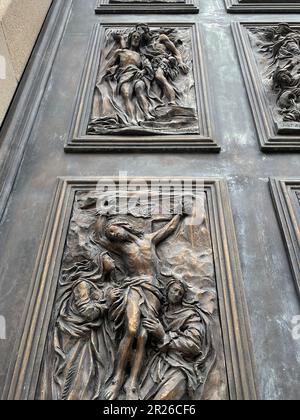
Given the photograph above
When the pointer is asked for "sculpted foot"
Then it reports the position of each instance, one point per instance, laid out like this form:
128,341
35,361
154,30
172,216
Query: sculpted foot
134,122
132,393
113,391
149,118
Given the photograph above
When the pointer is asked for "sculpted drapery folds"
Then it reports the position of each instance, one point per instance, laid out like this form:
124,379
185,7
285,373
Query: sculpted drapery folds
182,354
142,296
135,314
145,83
278,53
83,341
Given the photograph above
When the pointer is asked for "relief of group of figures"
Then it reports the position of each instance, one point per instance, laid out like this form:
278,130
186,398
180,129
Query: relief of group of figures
145,83
277,49
136,314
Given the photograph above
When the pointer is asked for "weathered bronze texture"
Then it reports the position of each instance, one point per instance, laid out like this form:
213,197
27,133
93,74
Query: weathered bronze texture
262,6
167,284
31,158
144,88
146,6
138,88
286,197
268,55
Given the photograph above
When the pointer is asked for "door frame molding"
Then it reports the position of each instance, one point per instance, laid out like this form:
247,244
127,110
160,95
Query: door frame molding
18,123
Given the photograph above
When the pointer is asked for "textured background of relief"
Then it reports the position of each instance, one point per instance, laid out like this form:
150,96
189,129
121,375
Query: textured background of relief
187,253
269,284
184,83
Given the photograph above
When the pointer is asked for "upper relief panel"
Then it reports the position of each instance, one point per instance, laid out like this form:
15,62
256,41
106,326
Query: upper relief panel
262,6
270,55
146,6
144,87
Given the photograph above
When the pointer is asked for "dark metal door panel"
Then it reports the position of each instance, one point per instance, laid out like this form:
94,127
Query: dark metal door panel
32,145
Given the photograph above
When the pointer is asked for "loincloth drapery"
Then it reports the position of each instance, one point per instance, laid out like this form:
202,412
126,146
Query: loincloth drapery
150,298
130,74
168,64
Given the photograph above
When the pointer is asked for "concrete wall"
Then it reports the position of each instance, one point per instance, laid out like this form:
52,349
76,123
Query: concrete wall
20,24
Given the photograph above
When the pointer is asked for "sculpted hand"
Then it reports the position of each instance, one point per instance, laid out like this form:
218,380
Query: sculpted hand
115,294
110,72
184,68
188,209
155,328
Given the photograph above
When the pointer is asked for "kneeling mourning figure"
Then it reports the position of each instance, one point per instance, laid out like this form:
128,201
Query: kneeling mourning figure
145,84
136,316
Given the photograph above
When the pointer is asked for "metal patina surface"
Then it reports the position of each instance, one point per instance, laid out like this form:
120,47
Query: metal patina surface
32,148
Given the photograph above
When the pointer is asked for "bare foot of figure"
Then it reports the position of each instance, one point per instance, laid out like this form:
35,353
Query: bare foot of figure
149,118
113,391
134,122
132,393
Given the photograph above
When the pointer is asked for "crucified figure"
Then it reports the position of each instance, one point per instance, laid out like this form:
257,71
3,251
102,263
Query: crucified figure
142,296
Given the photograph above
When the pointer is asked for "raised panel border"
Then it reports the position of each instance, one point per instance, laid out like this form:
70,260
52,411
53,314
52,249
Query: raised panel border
269,140
79,141
27,357
104,7
290,226
239,6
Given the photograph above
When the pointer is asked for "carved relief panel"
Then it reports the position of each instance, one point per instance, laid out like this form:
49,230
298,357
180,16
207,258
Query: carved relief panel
286,196
137,295
269,55
262,6
143,87
146,6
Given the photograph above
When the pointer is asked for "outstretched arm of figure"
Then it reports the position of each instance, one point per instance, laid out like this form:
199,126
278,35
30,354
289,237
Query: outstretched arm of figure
120,39
109,246
188,342
88,308
167,230
108,70
164,39
112,62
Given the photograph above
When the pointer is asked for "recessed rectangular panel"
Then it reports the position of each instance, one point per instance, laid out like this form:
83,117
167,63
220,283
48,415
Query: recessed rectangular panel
137,294
146,6
262,6
144,87
286,196
268,55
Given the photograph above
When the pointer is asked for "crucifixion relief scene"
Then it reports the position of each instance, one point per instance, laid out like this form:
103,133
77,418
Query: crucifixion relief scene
149,203
136,314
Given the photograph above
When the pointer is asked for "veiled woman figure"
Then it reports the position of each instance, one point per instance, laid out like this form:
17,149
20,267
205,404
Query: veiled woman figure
83,338
182,354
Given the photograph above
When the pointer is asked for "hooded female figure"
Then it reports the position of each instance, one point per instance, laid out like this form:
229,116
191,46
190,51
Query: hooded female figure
83,339
183,354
